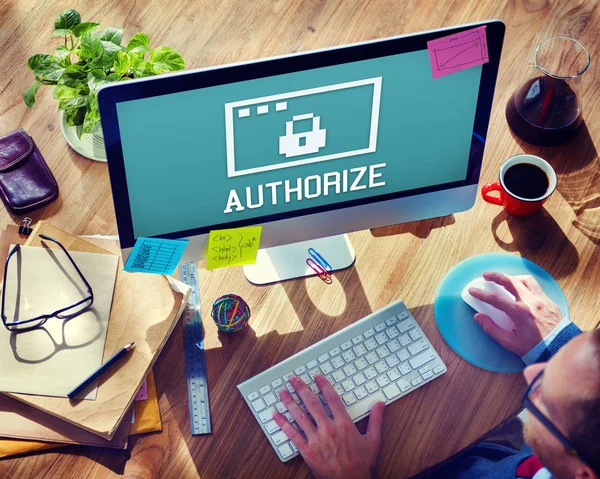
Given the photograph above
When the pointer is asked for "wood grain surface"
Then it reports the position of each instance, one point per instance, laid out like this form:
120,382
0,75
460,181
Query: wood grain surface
406,261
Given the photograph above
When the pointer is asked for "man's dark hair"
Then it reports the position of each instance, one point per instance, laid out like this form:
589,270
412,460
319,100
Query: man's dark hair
585,429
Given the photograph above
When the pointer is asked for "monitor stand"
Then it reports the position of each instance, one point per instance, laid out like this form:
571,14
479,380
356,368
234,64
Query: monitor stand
289,261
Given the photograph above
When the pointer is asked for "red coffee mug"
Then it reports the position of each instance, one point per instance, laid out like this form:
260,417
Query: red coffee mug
513,204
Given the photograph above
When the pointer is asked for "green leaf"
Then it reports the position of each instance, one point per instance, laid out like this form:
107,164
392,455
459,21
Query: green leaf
50,69
64,92
165,59
92,123
139,42
75,102
142,68
29,94
91,47
121,64
109,56
67,19
61,53
74,77
113,77
36,60
111,34
83,28
75,116
61,32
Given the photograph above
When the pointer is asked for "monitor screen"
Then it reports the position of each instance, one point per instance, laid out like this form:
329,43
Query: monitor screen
280,143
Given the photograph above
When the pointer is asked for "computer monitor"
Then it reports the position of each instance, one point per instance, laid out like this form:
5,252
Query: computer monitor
310,145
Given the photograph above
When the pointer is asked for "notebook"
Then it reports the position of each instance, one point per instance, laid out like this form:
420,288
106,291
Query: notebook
145,309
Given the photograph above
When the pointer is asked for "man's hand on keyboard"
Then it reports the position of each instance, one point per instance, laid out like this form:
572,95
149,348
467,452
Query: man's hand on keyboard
533,313
332,446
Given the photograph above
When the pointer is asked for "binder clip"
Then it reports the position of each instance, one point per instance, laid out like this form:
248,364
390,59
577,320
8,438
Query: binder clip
25,230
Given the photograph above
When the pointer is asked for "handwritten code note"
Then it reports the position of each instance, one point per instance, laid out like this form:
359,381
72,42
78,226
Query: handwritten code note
232,247
458,52
155,255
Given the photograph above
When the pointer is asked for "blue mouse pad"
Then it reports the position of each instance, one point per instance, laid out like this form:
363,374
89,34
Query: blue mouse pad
455,320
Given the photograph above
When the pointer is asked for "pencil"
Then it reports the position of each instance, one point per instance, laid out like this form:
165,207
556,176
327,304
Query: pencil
113,359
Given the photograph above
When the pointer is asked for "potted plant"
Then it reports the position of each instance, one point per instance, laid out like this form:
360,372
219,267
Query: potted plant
85,60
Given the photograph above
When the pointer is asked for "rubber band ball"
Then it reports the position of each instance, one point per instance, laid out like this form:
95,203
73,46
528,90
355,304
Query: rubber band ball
230,313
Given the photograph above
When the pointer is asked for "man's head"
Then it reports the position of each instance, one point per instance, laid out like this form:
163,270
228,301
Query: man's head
570,397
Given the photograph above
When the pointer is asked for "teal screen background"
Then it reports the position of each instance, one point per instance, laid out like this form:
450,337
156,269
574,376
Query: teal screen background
174,146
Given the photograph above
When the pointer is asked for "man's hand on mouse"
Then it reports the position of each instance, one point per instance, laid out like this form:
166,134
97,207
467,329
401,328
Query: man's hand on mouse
533,313
331,446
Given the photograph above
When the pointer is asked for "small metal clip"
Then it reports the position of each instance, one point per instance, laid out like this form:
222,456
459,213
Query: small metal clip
25,230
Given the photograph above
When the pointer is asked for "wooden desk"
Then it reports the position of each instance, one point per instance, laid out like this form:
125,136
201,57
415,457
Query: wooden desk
406,261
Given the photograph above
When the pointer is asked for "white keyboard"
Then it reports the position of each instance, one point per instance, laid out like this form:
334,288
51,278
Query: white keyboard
380,357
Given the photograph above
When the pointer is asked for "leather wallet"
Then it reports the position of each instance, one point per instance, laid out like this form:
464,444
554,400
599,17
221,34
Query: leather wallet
26,182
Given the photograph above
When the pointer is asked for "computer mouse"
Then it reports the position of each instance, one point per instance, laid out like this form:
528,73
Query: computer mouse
499,317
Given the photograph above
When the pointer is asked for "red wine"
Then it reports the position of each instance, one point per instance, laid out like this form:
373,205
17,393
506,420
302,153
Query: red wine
526,181
544,111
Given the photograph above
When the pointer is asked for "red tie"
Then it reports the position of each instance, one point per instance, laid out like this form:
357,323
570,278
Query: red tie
529,467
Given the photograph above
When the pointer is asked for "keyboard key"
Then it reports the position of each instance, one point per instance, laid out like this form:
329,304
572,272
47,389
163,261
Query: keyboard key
383,352
322,358
372,358
272,427
350,370
404,340
277,383
416,334
361,364
326,368
427,375
289,417
313,373
394,345
360,350
370,373
270,399
294,448
339,376
405,325
348,356
381,367
300,370
281,407
368,333
358,339
405,369
402,315
393,320
417,347
404,385
416,381
380,327
438,369
381,338
348,385
392,333
266,415
253,396
329,378
258,405
422,359
311,364
346,345
391,391
335,351
279,438
349,399
359,379
366,404
361,393
371,387
265,389
424,369
306,378
339,389
290,388
285,451
392,361
382,381
287,376
403,355
278,391
314,388
393,374
337,362
370,344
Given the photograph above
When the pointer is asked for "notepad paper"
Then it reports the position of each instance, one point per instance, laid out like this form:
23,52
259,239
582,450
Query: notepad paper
457,52
232,247
155,255
54,358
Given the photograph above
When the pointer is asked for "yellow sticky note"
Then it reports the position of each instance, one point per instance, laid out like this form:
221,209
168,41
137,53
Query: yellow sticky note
232,247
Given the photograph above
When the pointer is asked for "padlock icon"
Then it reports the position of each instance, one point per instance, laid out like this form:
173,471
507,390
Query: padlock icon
305,143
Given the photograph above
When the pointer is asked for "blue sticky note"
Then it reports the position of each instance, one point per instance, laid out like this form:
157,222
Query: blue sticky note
155,255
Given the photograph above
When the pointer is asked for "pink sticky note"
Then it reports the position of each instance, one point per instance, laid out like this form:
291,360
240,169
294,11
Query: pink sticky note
458,52
142,394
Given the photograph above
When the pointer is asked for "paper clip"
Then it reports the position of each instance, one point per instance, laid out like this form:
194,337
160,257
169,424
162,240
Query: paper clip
317,268
319,259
